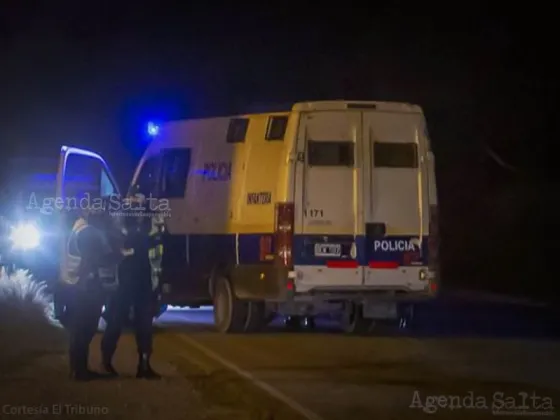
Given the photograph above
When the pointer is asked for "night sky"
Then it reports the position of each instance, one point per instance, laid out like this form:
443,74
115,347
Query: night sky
93,76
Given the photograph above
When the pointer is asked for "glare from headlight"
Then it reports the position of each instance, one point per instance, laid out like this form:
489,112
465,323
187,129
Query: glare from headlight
25,236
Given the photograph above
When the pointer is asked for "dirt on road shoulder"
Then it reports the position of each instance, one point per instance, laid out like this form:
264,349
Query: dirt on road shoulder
40,389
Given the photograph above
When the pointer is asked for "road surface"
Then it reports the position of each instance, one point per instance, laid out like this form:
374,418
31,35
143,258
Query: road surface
460,362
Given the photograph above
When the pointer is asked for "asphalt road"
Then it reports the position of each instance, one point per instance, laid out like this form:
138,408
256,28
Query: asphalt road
458,356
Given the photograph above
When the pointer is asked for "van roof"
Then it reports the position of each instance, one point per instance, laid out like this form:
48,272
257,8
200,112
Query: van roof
347,104
265,108
332,105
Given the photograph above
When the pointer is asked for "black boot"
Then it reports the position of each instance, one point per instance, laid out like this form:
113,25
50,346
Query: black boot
79,368
145,370
108,367
80,372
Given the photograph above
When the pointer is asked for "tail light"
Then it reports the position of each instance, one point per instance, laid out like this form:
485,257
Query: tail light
284,234
433,247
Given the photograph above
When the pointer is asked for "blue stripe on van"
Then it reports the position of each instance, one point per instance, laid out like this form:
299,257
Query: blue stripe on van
394,249
206,250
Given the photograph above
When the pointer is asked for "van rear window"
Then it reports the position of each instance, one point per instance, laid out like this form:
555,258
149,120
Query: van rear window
330,153
395,155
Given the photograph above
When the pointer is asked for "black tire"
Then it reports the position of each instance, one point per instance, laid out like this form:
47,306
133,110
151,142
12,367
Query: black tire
394,326
256,317
230,313
309,322
353,321
269,317
406,318
293,322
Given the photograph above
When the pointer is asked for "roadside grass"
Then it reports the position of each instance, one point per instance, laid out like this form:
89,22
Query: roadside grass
27,328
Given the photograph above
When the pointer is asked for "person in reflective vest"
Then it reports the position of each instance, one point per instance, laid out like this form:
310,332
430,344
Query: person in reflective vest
155,254
90,273
136,291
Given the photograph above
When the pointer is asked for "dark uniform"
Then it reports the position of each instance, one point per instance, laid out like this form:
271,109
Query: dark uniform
91,264
136,293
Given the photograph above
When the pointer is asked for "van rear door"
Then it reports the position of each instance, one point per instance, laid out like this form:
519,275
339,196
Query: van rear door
328,200
396,204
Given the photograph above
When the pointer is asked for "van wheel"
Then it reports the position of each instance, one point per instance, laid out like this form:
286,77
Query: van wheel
309,322
256,317
230,313
269,317
406,320
293,322
353,321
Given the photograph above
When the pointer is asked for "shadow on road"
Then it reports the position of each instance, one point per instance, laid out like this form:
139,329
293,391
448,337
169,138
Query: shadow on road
436,319
484,320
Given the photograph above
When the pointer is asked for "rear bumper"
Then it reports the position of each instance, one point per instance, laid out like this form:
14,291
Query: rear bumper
278,284
405,284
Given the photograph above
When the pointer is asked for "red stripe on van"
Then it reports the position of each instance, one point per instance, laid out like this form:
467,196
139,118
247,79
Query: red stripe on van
383,264
342,264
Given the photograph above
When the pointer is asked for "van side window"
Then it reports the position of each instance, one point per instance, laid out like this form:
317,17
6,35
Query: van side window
330,153
107,187
175,170
395,155
86,175
276,128
146,183
237,130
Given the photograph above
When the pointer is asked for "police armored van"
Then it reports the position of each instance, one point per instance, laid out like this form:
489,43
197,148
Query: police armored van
327,207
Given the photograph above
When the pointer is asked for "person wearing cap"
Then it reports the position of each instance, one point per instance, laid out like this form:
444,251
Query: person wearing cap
135,292
91,264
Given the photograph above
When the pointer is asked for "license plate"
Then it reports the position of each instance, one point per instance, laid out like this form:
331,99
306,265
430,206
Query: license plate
328,250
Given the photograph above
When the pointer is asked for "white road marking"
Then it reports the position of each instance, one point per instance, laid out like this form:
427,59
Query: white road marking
269,389
206,368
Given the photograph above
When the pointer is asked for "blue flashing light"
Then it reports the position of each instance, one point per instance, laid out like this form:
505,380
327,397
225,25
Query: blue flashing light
153,129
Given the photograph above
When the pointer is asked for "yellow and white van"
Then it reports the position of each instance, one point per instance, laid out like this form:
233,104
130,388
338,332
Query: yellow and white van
326,206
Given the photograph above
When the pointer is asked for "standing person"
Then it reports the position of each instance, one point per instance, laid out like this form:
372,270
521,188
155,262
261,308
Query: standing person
91,265
135,291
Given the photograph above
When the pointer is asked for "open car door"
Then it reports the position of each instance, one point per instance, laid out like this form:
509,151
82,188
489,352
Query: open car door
82,177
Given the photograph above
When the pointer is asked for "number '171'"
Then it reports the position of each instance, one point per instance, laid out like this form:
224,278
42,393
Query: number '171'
313,213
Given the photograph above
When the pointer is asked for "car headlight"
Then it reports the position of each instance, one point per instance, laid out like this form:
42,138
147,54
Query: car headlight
25,236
